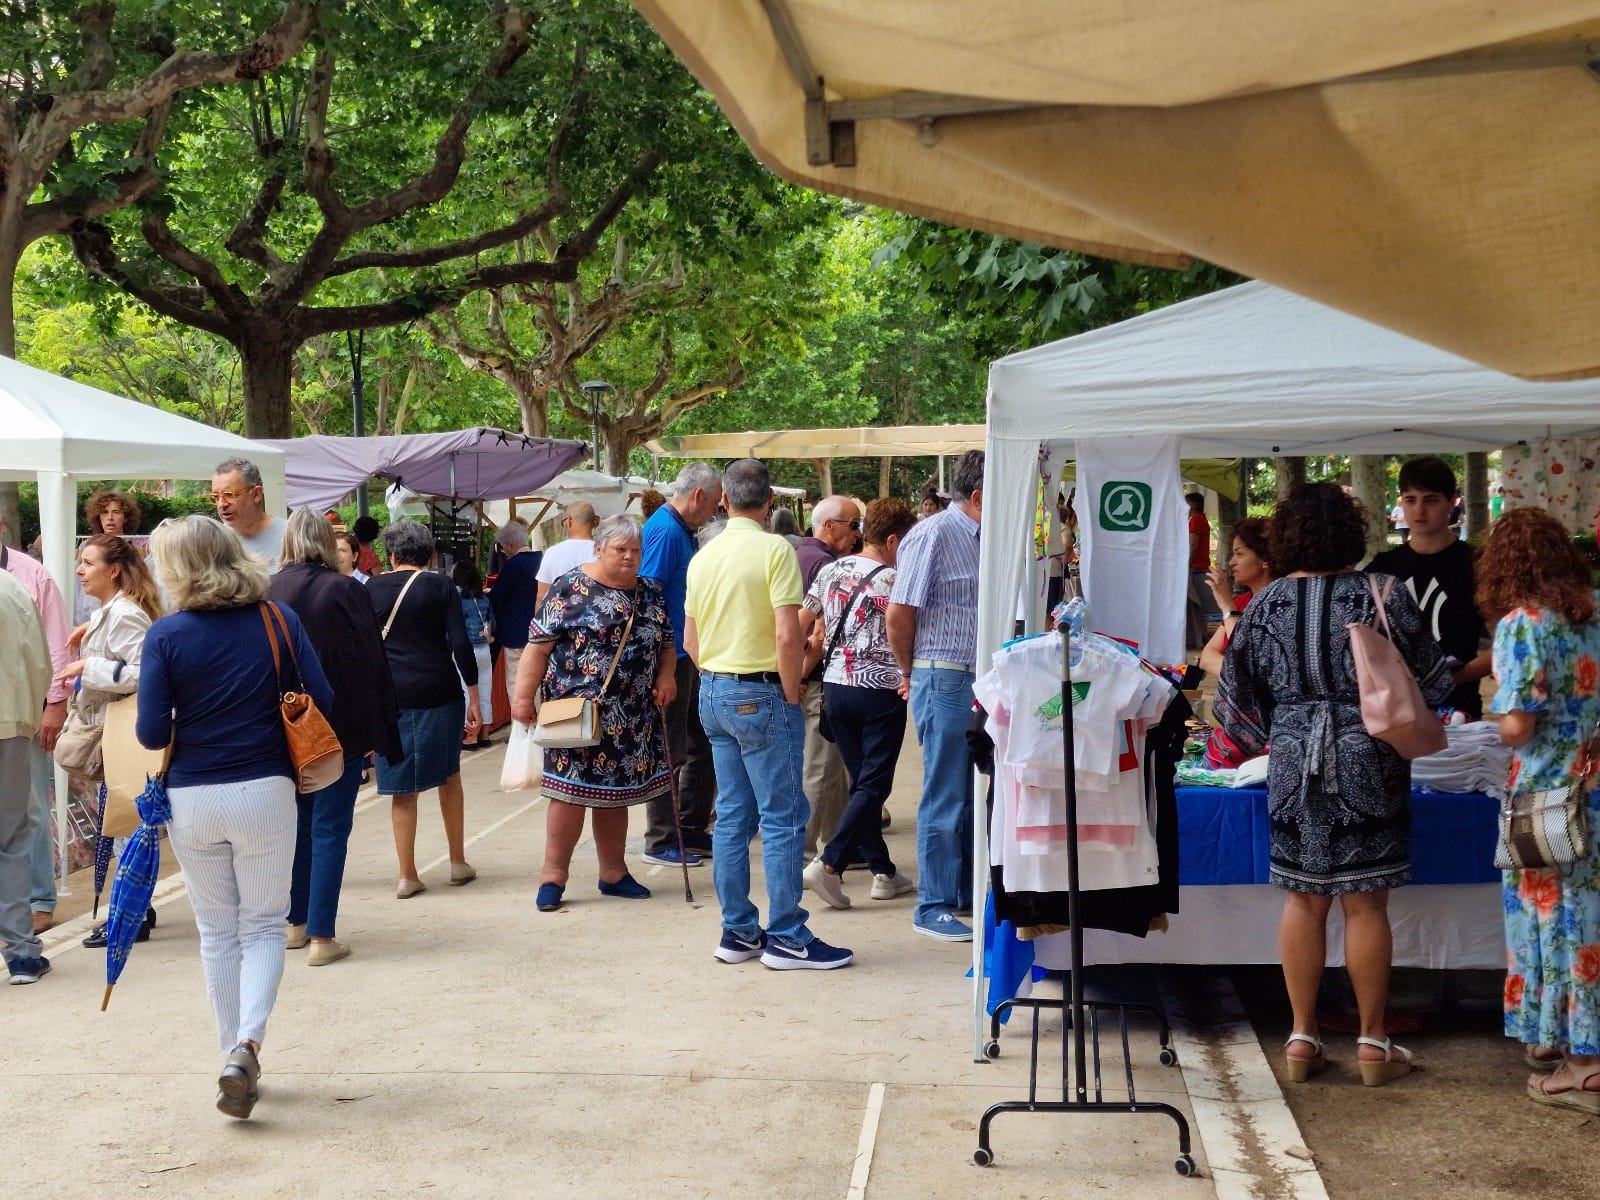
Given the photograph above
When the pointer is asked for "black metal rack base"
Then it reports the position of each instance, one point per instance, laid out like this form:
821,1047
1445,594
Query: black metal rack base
1081,1017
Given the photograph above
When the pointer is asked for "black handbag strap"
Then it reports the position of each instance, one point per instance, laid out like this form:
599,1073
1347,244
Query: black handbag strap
821,668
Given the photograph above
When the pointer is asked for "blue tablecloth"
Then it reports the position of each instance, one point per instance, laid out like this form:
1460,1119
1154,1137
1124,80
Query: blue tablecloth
1223,837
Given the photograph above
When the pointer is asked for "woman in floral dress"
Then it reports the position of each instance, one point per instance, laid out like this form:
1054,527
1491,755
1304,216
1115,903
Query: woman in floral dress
571,645
1546,662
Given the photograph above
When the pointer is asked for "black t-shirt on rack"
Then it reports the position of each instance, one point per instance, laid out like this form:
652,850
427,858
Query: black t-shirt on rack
1442,584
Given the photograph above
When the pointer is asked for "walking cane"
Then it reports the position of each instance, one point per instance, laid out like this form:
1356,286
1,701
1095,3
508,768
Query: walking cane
677,817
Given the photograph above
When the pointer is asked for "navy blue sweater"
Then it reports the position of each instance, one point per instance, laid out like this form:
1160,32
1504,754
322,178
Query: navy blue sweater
512,598
206,685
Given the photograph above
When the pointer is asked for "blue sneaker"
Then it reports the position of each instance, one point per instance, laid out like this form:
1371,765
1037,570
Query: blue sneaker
815,955
28,970
628,888
734,949
944,927
670,857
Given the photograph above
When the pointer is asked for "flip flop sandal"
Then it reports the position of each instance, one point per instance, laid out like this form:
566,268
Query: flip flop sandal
1388,1068
1535,1063
1302,1069
1576,1097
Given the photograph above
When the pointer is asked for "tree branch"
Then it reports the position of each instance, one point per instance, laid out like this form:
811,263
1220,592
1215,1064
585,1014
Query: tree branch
93,246
582,245
463,248
58,215
99,63
422,301
202,270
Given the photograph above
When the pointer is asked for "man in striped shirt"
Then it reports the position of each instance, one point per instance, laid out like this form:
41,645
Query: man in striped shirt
933,631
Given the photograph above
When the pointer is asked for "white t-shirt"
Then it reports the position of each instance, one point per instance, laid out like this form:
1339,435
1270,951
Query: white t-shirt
563,557
267,544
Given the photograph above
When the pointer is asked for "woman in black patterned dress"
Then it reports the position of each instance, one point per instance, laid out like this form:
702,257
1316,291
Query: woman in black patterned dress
1338,799
571,645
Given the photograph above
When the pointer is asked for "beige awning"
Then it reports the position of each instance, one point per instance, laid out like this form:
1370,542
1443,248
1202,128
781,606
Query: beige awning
1432,166
871,441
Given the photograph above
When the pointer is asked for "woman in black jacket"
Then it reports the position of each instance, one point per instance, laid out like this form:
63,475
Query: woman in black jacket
339,620
430,657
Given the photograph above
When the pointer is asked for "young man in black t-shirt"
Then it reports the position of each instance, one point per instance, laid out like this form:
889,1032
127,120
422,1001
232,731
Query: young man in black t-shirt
1438,569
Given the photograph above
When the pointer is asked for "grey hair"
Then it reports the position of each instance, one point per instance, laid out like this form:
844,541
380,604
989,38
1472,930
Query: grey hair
309,539
620,528
969,474
695,476
409,543
202,564
782,521
746,485
512,536
710,530
248,471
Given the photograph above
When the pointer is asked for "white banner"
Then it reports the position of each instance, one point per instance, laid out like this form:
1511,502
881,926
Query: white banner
1134,535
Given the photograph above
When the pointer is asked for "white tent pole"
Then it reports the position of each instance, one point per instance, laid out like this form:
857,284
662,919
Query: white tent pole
57,508
941,472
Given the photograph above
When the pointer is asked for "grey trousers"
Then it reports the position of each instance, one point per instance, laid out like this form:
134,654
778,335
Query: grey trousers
16,844
827,783
691,761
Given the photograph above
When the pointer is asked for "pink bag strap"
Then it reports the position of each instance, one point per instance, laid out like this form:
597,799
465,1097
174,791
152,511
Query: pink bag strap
1382,599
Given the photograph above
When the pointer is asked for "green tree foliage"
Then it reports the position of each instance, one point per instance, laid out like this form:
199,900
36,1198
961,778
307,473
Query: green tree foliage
427,152
1014,295
85,92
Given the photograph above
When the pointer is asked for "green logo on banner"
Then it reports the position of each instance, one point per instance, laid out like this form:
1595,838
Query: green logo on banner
1125,507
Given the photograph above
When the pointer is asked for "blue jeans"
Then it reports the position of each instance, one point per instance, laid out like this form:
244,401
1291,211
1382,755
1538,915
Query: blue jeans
941,707
42,850
869,727
758,747
322,835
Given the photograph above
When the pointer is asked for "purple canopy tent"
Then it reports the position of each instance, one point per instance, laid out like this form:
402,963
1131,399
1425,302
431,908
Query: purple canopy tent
468,464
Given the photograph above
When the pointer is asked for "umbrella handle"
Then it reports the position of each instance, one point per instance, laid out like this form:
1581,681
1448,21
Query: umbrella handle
106,999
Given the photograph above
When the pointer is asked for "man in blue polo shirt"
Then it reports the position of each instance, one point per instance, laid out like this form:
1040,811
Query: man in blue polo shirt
669,544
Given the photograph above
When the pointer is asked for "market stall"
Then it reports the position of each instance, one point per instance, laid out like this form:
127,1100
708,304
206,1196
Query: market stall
59,431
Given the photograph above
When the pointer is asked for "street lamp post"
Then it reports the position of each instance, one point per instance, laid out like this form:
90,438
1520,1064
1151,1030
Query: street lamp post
593,389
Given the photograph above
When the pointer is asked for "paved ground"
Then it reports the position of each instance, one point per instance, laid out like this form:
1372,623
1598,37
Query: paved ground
473,1046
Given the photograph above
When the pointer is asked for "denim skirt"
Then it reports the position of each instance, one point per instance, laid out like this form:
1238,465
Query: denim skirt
431,739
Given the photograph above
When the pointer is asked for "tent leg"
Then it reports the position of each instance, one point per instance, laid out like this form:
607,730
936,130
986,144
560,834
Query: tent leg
57,512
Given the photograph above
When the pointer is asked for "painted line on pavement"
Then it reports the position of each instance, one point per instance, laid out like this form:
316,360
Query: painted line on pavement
868,1140
1254,1149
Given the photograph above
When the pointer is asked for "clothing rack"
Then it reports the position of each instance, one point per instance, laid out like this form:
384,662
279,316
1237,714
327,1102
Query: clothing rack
1082,1018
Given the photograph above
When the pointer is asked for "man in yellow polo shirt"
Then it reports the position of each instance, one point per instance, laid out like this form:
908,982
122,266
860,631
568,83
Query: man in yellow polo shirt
742,628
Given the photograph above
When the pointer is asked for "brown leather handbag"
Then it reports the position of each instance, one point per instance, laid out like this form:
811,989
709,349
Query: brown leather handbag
313,746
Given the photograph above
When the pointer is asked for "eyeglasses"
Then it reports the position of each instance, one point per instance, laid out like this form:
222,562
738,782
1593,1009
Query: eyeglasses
855,526
230,497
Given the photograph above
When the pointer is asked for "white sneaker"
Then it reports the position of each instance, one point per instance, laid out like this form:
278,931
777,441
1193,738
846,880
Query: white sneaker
887,887
825,885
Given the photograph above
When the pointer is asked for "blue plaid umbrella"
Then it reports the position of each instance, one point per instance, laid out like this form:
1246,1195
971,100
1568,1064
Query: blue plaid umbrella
135,882
102,853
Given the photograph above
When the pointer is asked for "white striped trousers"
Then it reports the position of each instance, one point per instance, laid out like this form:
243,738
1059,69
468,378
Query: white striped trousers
235,843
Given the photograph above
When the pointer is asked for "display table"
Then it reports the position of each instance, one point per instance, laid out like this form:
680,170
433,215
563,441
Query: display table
1449,917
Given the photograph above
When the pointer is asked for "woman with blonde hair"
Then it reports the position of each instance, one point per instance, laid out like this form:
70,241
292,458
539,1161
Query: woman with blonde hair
1536,582
107,669
209,687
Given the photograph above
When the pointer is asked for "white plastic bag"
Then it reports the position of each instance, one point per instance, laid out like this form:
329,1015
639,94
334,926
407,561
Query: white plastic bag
524,760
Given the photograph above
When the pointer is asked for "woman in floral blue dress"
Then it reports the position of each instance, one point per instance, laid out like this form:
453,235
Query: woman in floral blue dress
571,644
1546,662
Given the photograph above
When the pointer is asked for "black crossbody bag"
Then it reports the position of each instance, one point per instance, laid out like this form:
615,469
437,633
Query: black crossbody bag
823,727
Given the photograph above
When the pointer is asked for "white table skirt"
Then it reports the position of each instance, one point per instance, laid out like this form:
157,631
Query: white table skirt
1446,926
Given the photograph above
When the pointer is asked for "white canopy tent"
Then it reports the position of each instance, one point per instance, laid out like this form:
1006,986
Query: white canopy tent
1249,372
58,432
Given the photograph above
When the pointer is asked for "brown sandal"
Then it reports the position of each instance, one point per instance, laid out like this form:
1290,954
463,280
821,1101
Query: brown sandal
1578,1096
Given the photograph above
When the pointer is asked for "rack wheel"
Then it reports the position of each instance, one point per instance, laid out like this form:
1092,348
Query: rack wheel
991,1049
1169,1056
983,1156
1185,1166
